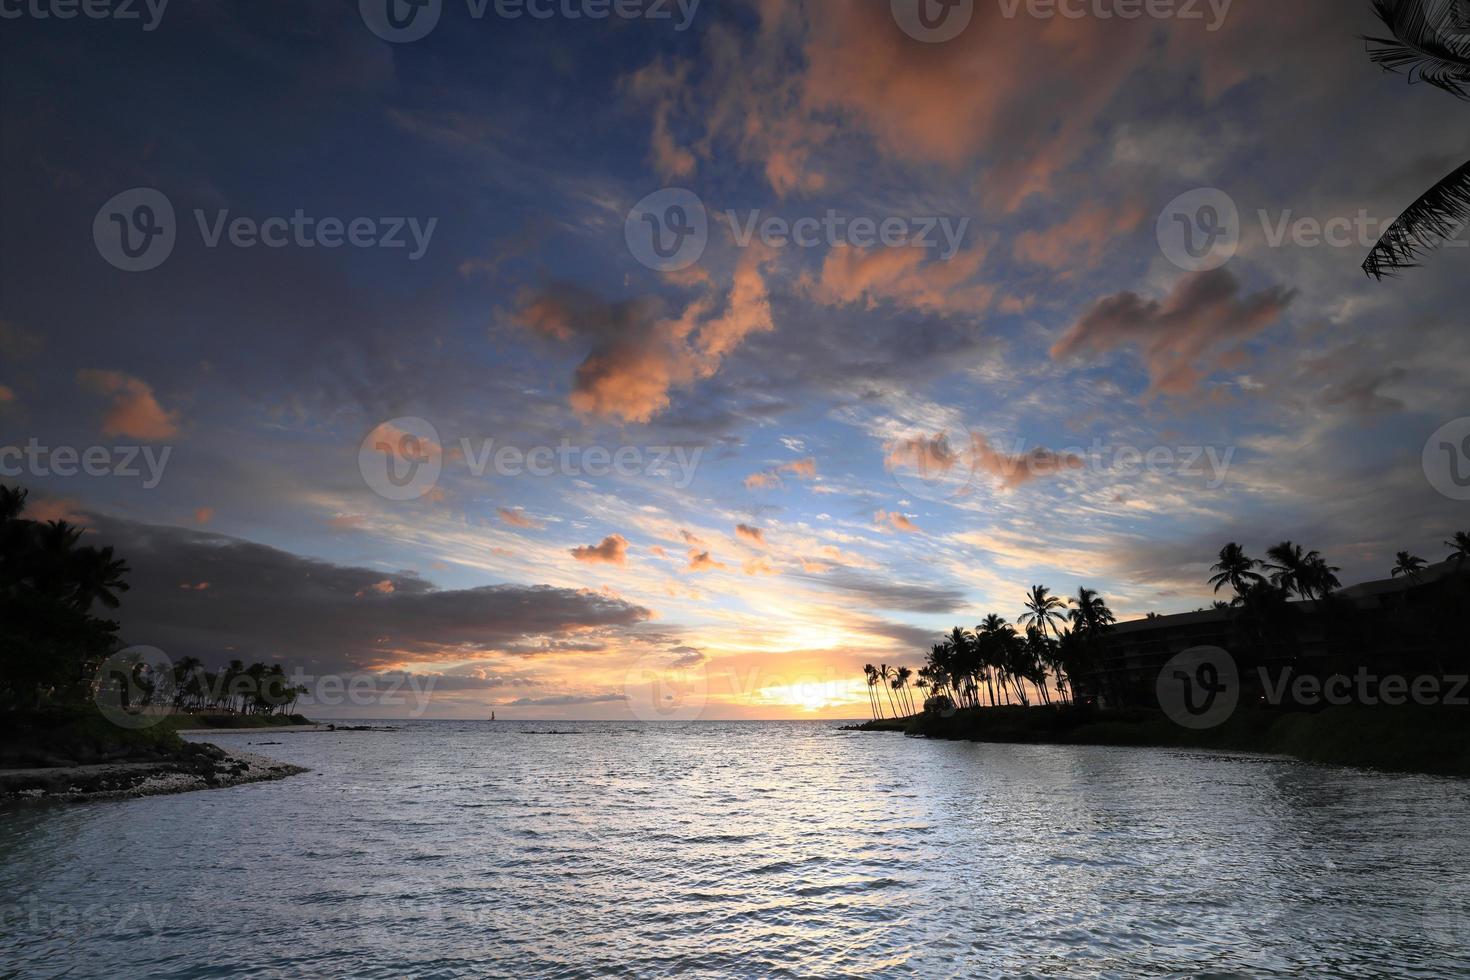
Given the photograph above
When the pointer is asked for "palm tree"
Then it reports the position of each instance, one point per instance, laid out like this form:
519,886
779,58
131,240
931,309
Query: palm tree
1408,566
1287,563
886,673
966,664
1092,615
1044,611
990,652
1428,45
903,676
1461,543
1320,578
871,673
1235,569
97,577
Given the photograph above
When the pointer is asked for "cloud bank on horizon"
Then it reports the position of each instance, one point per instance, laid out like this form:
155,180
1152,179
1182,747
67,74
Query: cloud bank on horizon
930,351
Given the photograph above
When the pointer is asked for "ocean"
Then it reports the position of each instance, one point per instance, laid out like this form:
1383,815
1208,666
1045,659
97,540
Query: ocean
772,849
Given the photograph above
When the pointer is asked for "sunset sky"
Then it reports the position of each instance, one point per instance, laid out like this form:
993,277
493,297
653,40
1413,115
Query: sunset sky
866,445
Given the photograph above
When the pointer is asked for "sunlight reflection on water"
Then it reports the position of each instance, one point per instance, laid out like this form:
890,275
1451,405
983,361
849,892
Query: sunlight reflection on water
756,849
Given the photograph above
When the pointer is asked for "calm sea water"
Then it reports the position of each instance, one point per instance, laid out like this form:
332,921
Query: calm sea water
769,849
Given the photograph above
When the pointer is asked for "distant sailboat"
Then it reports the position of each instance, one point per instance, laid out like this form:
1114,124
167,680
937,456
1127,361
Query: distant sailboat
492,716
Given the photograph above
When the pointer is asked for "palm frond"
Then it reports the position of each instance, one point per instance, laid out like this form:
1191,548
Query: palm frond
1438,215
1430,43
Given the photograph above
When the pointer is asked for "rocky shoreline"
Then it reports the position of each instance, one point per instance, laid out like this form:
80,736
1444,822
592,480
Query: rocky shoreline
202,766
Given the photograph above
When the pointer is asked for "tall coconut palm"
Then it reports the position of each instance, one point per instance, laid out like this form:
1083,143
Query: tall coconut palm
903,676
1408,566
1287,563
1235,569
886,673
1320,578
1044,611
1091,615
1430,43
967,665
989,641
1461,543
870,674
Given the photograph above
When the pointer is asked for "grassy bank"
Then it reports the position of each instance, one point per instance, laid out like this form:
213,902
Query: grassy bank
1401,739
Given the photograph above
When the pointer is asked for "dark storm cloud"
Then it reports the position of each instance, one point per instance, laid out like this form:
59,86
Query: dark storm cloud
220,598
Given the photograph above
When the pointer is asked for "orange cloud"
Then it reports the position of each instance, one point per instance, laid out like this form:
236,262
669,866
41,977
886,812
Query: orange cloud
385,587
135,411
54,509
977,95
518,518
612,551
897,521
759,566
1183,338
639,355
1082,239
804,469
762,481
927,455
203,515
902,276
752,534
1016,469
6,394
701,561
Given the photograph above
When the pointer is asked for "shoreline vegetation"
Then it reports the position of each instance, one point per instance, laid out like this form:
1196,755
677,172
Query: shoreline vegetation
1072,674
1430,740
82,715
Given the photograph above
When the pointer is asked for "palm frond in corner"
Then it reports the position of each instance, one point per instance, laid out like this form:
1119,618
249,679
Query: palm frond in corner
1438,214
1430,43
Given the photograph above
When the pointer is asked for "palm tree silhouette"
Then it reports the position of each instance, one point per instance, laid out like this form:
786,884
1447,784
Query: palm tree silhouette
886,673
1092,615
1320,578
1287,563
1043,610
1408,565
1235,569
1461,543
902,680
1426,48
871,673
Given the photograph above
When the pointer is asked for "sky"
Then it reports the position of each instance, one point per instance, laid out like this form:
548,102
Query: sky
678,362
